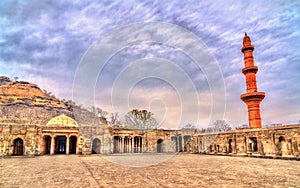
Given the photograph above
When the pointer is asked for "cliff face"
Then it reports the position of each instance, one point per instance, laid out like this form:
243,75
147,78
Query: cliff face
27,94
25,103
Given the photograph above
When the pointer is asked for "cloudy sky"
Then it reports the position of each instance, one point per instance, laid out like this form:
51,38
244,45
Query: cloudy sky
179,59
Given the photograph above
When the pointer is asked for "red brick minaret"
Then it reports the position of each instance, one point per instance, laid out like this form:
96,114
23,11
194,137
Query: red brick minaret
252,97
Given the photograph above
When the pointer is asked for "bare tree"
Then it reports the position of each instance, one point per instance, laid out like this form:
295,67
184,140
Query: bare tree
101,113
221,125
189,126
16,79
113,119
243,126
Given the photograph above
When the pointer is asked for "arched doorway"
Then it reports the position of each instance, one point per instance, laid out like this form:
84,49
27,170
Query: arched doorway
117,144
18,147
230,145
253,144
60,145
159,145
283,145
96,147
200,147
186,140
73,144
180,143
47,144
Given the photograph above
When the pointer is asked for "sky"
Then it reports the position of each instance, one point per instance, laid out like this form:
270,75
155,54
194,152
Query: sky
180,60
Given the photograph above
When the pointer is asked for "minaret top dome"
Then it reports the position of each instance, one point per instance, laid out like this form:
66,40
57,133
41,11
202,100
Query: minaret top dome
246,40
247,43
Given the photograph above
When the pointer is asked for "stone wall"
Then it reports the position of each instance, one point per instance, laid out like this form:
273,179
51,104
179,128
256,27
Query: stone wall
29,134
274,141
277,141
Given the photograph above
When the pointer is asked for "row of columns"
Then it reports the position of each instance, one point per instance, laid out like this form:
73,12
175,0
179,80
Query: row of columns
181,142
127,144
53,143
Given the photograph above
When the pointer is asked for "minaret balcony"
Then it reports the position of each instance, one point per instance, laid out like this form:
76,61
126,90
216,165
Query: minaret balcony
254,96
253,69
244,48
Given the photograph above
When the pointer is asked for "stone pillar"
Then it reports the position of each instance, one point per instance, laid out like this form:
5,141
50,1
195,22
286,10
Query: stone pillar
234,150
68,145
119,145
134,145
137,144
260,146
130,145
141,145
77,145
295,148
52,148
122,144
126,144
177,143
246,144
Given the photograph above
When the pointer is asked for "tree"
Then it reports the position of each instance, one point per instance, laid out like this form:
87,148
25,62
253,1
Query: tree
189,126
243,126
113,119
221,125
140,119
16,79
101,113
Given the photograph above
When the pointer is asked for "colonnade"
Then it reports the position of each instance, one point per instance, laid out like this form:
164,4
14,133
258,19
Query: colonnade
127,144
60,144
181,142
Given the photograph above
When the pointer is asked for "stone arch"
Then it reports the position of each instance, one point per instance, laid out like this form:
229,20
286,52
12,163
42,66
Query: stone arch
73,144
253,144
60,144
18,147
283,146
96,147
281,139
186,143
159,145
200,147
47,144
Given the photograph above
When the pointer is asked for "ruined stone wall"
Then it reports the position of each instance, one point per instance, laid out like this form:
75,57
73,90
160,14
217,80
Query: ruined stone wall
282,140
30,135
27,124
92,133
158,136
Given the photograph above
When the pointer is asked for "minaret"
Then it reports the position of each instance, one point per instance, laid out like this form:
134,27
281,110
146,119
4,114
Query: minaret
252,97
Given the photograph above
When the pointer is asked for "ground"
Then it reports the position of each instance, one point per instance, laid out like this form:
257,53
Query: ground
156,170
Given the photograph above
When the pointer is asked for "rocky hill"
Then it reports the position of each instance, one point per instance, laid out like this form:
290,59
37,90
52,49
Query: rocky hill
25,103
25,93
